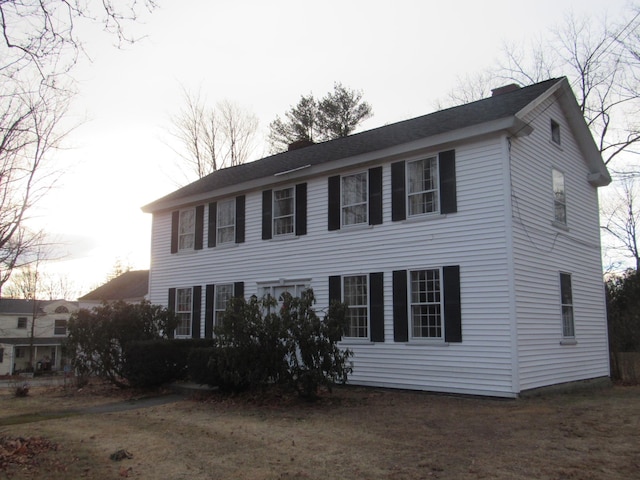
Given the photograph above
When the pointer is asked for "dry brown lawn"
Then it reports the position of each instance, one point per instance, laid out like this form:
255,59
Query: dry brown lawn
355,433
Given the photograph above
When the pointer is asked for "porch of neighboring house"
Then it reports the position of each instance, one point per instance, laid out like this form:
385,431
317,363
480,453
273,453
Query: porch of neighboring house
47,357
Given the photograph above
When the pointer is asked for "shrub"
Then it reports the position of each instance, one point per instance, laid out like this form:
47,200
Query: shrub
292,346
199,368
97,338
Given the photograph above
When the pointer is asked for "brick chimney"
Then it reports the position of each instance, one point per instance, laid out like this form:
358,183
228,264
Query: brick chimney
299,144
506,89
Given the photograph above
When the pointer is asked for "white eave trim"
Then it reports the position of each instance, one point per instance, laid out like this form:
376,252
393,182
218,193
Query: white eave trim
512,124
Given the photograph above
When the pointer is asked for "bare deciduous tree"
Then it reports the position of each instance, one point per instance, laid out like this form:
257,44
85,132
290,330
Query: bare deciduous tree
212,138
602,65
621,220
39,46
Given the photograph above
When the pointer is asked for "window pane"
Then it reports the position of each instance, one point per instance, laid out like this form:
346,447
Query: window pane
355,295
423,186
559,198
426,306
283,211
566,295
186,229
223,295
226,220
354,199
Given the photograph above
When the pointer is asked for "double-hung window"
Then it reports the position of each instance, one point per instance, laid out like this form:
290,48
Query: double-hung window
60,327
226,222
355,294
284,211
559,198
354,201
186,229
184,302
422,186
566,296
22,323
223,295
426,304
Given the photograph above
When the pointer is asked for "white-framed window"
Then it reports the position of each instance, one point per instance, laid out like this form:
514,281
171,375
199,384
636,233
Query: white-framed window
226,222
354,199
555,132
284,211
276,289
566,300
22,323
60,327
426,304
187,229
355,294
559,198
223,294
184,305
422,186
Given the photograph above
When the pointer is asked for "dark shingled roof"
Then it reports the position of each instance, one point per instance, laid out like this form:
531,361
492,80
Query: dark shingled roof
131,284
482,111
19,306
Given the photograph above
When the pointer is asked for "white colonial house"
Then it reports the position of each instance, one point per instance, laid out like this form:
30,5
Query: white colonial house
19,332
465,242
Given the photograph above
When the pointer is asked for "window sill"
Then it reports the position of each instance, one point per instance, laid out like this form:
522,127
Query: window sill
425,217
419,342
223,246
569,341
561,226
282,238
353,341
354,228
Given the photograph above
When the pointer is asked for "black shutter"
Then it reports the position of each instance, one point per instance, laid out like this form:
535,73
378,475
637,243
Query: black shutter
208,311
301,209
267,209
171,306
398,192
400,318
240,215
213,222
238,290
335,289
376,305
447,166
334,202
175,221
452,309
375,196
195,311
197,243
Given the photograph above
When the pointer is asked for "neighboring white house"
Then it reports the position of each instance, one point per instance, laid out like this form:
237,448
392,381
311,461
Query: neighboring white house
47,335
465,242
130,287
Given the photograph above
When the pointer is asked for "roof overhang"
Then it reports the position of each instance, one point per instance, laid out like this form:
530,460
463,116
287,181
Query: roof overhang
598,174
511,125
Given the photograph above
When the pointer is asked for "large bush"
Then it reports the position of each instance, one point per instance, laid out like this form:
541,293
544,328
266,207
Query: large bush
98,337
259,344
623,312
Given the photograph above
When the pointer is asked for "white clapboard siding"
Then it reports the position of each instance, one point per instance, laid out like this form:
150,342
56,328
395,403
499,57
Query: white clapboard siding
473,238
542,251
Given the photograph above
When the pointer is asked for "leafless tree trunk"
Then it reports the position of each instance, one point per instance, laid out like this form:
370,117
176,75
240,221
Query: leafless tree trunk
212,138
621,220
602,64
238,128
39,47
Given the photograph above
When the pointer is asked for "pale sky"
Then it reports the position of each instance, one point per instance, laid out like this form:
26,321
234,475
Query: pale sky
404,55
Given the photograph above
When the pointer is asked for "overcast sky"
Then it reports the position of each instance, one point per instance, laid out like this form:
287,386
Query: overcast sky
404,55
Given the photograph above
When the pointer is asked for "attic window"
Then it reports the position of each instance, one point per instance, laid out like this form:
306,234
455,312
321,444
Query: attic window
555,132
62,309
